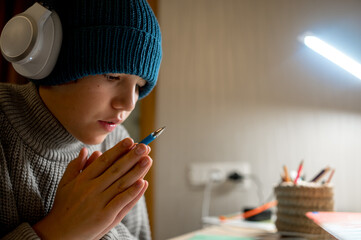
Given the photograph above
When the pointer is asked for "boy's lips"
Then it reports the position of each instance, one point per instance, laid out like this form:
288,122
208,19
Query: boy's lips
117,120
109,125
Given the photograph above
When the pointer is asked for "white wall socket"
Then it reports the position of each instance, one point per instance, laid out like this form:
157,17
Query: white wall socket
199,173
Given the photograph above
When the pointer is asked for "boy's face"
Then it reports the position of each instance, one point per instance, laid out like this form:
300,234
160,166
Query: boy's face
90,108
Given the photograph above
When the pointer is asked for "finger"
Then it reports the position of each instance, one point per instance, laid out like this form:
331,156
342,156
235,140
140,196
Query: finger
149,149
127,208
122,166
123,183
151,163
74,167
107,158
92,158
123,212
126,200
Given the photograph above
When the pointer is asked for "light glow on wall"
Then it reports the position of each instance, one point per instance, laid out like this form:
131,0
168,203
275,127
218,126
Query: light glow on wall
333,54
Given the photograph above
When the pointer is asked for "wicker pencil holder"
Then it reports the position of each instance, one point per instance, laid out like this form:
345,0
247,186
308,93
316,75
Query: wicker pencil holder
295,200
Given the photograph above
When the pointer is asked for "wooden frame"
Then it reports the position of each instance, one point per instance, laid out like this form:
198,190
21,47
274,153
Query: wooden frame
147,125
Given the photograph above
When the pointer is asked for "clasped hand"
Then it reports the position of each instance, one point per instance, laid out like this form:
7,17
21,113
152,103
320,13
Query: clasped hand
95,194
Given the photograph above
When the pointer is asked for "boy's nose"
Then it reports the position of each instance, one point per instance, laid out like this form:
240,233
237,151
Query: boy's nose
125,100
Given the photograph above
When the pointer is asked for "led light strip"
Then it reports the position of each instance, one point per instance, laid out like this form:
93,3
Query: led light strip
333,54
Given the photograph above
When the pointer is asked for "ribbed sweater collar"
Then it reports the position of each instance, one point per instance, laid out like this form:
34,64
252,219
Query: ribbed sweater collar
36,125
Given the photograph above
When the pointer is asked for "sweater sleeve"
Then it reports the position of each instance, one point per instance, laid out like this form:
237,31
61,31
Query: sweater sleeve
8,209
23,232
119,232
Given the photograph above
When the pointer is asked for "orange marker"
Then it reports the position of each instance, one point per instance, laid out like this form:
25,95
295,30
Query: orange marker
252,212
259,209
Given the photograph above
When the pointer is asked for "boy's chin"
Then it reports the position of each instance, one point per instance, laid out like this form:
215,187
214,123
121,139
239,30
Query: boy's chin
93,140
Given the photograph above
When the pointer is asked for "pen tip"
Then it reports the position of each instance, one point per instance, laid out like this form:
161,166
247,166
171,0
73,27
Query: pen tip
159,131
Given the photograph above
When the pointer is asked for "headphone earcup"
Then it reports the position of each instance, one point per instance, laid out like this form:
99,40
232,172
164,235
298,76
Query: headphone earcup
31,41
18,38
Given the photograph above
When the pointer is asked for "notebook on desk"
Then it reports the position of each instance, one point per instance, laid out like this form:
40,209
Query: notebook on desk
342,225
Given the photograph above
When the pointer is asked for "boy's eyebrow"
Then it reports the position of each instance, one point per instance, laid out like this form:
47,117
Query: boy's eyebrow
141,81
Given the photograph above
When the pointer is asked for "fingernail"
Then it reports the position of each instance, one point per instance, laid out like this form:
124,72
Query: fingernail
143,162
127,142
139,150
139,183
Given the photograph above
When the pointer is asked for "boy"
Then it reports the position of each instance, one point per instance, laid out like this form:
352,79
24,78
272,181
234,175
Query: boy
49,187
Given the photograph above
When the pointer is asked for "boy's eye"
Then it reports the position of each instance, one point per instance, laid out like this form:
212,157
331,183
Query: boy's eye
117,78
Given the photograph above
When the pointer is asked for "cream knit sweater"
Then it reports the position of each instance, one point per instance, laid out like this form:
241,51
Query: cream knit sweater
35,150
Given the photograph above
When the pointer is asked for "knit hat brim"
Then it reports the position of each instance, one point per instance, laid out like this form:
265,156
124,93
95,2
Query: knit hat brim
108,49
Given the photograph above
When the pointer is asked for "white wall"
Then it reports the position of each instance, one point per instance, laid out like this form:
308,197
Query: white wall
236,85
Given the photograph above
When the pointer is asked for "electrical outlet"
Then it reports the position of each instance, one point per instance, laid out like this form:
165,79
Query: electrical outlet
200,173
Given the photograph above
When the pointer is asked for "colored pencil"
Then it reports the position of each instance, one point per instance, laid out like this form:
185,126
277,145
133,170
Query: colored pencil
331,175
287,176
320,174
298,172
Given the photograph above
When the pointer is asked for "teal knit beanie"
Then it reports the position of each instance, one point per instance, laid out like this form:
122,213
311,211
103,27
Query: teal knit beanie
107,36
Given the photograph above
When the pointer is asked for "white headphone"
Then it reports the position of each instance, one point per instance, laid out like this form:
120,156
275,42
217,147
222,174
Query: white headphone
31,41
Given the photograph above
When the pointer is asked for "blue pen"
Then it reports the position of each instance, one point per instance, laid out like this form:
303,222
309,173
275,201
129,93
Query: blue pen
152,136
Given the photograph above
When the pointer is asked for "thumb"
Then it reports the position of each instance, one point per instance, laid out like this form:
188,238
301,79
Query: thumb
74,167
